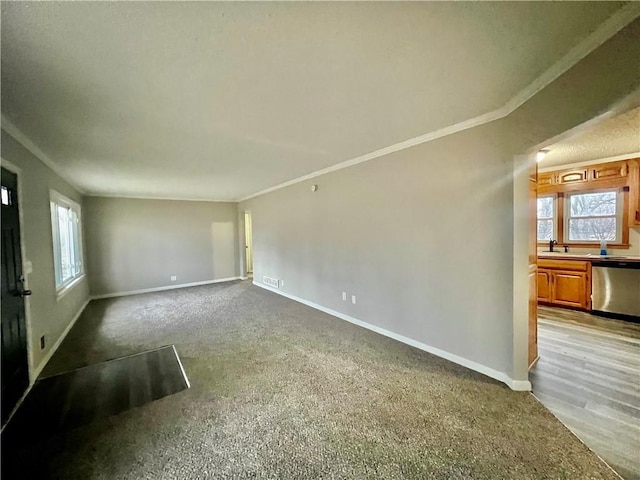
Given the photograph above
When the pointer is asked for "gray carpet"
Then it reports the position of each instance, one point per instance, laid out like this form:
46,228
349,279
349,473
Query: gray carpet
279,390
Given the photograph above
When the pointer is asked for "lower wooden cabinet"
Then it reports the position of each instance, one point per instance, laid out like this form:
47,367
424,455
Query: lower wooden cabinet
544,285
569,289
565,283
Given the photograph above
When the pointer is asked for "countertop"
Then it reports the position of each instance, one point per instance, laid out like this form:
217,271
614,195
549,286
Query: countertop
588,256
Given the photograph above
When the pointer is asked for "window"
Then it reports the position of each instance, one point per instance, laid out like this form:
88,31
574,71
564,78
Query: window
6,196
546,218
584,218
593,217
67,241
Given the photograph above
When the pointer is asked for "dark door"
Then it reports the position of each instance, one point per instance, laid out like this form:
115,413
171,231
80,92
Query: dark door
15,368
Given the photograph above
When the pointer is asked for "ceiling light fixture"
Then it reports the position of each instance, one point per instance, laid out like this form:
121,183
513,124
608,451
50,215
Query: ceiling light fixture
541,154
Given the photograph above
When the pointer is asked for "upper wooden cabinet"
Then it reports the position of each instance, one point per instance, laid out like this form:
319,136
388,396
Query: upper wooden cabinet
573,176
634,193
607,171
548,178
622,173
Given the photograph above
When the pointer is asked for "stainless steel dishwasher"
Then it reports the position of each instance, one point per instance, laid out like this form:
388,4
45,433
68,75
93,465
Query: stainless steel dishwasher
615,288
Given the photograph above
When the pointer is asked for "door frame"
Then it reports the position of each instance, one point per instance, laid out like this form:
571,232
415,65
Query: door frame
17,171
248,246
522,165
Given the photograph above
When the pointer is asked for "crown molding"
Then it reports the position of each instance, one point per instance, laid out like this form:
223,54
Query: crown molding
173,199
604,32
427,137
15,133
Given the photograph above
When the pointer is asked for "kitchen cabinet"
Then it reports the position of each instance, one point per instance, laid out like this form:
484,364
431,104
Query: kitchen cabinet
622,173
569,288
573,176
544,285
634,193
548,178
608,171
565,283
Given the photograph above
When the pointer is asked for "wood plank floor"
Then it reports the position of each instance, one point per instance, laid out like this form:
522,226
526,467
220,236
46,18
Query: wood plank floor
588,375
80,396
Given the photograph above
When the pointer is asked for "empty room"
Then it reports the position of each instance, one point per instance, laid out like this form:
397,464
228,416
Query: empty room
309,240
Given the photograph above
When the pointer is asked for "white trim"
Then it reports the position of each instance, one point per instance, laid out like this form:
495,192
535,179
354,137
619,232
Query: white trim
62,336
489,372
161,289
587,163
22,139
69,286
604,32
184,374
143,197
57,199
519,385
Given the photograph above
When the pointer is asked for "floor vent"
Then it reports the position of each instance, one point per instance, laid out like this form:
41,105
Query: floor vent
272,282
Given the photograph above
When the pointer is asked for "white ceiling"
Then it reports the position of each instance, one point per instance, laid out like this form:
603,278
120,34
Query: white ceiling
221,100
611,138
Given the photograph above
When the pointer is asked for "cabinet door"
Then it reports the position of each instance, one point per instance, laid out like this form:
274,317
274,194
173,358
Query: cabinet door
611,170
573,176
547,178
569,288
634,192
544,285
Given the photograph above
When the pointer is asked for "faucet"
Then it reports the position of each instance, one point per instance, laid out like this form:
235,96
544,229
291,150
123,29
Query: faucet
551,244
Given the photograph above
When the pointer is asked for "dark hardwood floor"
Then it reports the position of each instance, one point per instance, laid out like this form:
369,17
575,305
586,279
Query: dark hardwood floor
77,397
588,375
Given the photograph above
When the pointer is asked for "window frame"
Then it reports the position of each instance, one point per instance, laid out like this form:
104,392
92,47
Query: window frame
618,216
562,225
56,200
553,218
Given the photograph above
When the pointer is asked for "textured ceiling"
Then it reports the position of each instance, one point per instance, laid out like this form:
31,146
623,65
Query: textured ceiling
220,100
610,138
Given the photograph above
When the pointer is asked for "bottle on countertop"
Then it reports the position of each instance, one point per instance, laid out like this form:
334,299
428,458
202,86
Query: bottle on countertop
603,248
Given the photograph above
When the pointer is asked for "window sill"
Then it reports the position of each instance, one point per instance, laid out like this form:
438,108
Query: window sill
68,287
585,245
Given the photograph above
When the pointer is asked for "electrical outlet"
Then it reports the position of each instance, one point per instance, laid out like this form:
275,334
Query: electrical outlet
353,299
173,278
42,342
344,296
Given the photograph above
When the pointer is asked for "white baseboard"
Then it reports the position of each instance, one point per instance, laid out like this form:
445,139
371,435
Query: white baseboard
518,385
53,349
161,289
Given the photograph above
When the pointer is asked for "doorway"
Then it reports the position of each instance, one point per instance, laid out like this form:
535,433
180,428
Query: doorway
15,364
248,243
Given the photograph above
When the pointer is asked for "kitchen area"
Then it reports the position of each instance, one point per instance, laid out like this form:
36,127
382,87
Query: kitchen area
587,372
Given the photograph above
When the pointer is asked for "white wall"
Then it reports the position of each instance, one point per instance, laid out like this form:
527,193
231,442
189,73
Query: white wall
135,244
